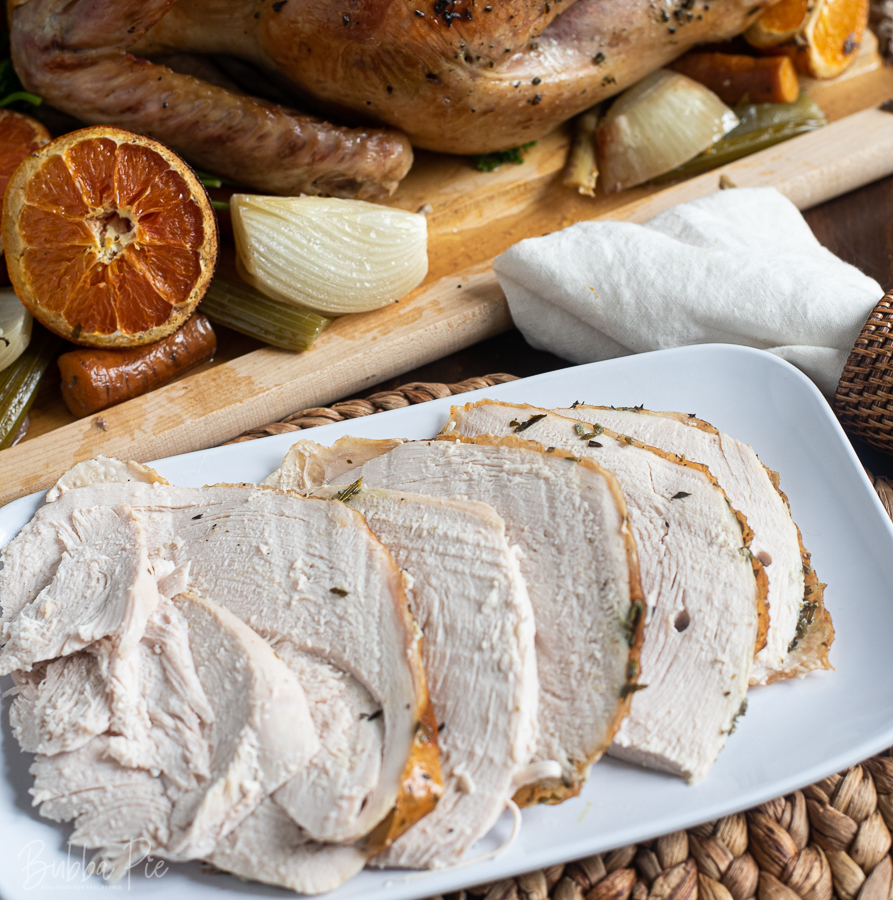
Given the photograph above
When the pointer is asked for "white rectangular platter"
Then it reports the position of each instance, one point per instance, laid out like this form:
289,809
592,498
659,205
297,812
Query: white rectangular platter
794,732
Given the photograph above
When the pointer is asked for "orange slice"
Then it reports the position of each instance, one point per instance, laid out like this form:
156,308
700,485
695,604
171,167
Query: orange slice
833,34
19,136
829,38
110,237
779,23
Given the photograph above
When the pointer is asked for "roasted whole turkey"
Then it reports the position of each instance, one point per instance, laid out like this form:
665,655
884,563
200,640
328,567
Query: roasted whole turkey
460,76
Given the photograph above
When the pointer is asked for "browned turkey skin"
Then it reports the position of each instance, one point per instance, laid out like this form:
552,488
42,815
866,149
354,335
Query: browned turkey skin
461,76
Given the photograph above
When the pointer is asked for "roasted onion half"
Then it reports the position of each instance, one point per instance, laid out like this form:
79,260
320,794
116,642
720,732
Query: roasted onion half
661,122
327,255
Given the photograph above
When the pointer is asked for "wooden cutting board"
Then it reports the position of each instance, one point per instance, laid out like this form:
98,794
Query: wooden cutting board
473,216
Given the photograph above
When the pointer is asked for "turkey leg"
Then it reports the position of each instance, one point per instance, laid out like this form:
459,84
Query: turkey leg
75,54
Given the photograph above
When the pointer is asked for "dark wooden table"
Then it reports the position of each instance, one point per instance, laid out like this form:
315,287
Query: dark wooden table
858,227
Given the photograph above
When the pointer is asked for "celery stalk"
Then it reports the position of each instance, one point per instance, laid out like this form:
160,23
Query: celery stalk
20,380
761,125
248,311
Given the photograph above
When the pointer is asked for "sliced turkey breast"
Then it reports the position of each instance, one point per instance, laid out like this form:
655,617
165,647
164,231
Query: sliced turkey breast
100,469
159,709
466,592
261,733
101,587
102,596
29,573
697,572
350,725
308,464
123,813
310,571
151,701
149,698
800,631
269,847
578,561
61,706
304,571
250,731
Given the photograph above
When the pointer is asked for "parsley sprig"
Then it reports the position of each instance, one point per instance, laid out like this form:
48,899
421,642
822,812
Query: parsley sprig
489,162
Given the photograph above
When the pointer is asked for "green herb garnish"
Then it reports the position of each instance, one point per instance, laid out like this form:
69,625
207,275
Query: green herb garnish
523,426
804,620
350,490
634,616
741,711
628,689
489,162
210,180
21,97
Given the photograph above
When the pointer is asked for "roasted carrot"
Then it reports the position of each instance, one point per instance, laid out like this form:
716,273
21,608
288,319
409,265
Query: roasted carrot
770,79
93,379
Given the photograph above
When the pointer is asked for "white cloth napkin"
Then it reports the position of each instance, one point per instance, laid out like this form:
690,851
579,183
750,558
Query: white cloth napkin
739,266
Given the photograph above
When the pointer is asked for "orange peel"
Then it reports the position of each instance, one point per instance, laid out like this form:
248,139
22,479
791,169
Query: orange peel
19,136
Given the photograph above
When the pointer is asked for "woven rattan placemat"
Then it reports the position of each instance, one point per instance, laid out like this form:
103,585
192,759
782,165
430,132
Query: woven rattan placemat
830,841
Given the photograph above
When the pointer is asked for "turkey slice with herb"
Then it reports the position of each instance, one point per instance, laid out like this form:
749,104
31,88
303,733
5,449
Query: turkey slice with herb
307,573
578,560
707,592
466,592
800,630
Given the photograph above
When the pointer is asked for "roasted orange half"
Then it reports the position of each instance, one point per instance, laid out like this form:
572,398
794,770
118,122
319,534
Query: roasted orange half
110,237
